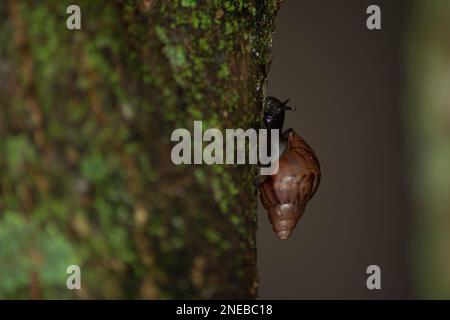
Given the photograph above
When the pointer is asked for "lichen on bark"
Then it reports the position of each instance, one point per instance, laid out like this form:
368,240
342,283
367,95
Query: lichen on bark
85,124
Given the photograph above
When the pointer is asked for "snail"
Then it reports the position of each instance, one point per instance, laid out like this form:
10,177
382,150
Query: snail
285,194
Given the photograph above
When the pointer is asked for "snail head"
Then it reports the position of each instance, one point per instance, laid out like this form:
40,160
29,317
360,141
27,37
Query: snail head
274,112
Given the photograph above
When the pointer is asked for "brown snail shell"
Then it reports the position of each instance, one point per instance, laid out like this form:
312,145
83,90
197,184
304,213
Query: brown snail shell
285,194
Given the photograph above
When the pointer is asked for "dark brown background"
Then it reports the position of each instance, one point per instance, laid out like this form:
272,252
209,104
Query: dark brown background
346,83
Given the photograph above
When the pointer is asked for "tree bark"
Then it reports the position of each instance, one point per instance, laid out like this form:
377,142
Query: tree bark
86,118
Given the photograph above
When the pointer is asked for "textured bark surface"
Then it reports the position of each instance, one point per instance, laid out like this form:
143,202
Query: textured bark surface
85,124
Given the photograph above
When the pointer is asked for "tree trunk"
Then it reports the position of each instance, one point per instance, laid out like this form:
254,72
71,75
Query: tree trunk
86,118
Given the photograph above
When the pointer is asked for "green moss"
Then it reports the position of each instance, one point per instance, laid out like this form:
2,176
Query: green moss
224,71
189,3
176,56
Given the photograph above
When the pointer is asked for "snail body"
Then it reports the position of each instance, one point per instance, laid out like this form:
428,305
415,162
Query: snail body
285,194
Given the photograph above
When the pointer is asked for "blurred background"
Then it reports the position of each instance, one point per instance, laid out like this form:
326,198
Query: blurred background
375,106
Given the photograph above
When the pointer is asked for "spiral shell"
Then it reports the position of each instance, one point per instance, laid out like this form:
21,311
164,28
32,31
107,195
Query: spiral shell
285,194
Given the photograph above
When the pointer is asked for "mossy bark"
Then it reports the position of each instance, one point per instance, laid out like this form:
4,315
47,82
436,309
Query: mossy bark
85,124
